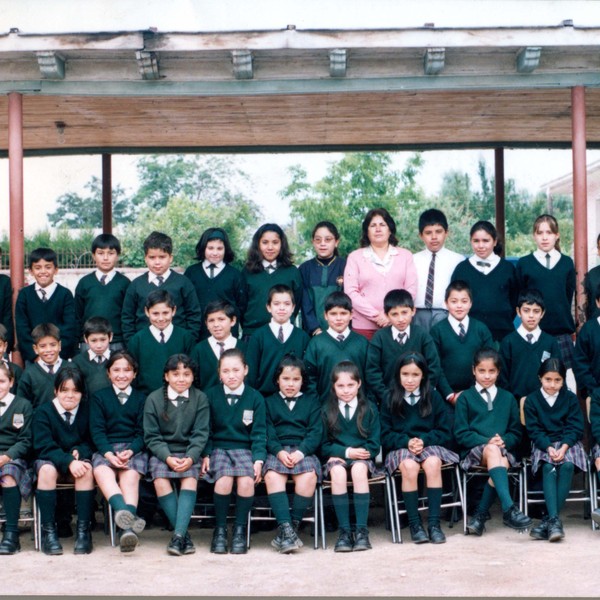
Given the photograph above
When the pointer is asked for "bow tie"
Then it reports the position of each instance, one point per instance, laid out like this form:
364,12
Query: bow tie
482,263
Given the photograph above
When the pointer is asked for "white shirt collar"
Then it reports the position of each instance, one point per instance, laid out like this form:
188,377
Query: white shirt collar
50,289
266,263
56,365
109,276
334,334
396,332
173,395
416,394
238,391
152,277
7,400
230,342
128,390
454,323
493,260
550,399
286,398
287,329
352,404
168,330
92,355
62,411
493,390
523,333
541,256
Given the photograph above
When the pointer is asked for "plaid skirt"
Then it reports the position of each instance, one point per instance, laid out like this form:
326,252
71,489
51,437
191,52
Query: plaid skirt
138,462
566,346
21,473
596,451
230,463
374,470
157,469
306,465
575,454
473,458
395,457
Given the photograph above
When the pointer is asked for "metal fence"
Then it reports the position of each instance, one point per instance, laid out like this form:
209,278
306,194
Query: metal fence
67,259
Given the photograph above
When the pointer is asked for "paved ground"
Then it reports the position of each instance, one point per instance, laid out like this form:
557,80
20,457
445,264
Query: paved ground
501,563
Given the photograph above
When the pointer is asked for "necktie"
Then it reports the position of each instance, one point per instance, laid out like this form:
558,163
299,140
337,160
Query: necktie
211,270
68,416
159,280
347,412
289,401
43,295
547,261
488,398
482,263
461,331
122,396
2,404
180,400
50,369
429,288
401,338
529,337
270,268
162,337
99,359
340,337
413,399
280,334
103,279
232,398
221,348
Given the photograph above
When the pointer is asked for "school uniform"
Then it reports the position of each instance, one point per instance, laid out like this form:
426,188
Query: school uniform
520,360
595,428
319,279
59,309
98,297
94,372
265,351
324,351
183,433
553,422
152,355
37,383
456,353
384,350
117,425
495,291
398,429
188,315
17,371
206,355
226,285
586,359
6,310
293,424
256,288
591,281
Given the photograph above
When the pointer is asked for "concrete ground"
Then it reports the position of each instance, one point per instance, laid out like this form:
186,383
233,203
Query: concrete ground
501,563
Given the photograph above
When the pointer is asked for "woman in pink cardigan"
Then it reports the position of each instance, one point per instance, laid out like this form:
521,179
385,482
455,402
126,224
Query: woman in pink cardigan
377,267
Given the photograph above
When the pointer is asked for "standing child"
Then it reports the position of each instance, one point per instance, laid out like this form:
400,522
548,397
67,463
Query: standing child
117,430
45,301
236,450
220,319
15,445
553,273
63,449
270,343
591,282
153,345
269,263
493,280
488,430
586,356
415,431
434,265
102,292
158,254
350,445
6,310
16,369
555,425
294,432
213,276
403,335
97,333
321,276
176,424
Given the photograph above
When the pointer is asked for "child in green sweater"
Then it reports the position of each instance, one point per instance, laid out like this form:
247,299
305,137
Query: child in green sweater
4,347
351,442
176,425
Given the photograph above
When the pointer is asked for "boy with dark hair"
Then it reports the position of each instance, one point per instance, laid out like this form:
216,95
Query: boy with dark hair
336,344
390,342
45,301
102,292
6,311
158,252
586,356
522,351
435,265
91,361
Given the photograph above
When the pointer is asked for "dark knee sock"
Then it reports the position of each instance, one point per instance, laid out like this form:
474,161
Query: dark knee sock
117,502
168,503
499,476
280,507
565,478
85,504
549,483
12,507
185,508
434,501
487,498
243,505
411,503
301,504
361,508
341,505
46,500
131,508
222,502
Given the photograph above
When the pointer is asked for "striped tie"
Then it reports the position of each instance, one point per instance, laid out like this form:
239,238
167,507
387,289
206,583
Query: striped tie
280,334
429,289
461,331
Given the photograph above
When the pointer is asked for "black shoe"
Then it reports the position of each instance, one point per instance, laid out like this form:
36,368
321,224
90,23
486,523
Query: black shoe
296,526
417,534
10,543
289,539
476,525
555,530
436,535
219,541
515,519
238,540
127,520
361,540
128,540
176,546
540,532
188,545
83,541
50,544
344,541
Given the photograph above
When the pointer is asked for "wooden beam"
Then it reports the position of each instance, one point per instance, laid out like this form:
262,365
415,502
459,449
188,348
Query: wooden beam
147,65
51,64
242,64
528,59
434,60
337,63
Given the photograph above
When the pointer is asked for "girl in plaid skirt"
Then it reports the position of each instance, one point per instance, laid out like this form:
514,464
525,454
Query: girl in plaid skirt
294,431
554,422
117,429
414,432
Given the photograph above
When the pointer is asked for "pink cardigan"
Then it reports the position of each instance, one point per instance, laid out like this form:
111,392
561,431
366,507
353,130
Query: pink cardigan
367,287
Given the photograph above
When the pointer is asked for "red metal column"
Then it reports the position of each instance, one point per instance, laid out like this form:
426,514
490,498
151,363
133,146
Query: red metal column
580,233
106,193
500,205
15,187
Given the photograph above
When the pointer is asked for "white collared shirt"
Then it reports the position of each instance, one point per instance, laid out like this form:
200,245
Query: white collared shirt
493,260
172,395
445,263
167,331
352,404
334,334
229,343
7,400
109,276
238,391
551,400
287,329
416,394
291,402
396,332
218,267
128,390
541,257
152,277
454,324
62,411
92,355
266,263
50,289
55,366
493,391
535,333
383,265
